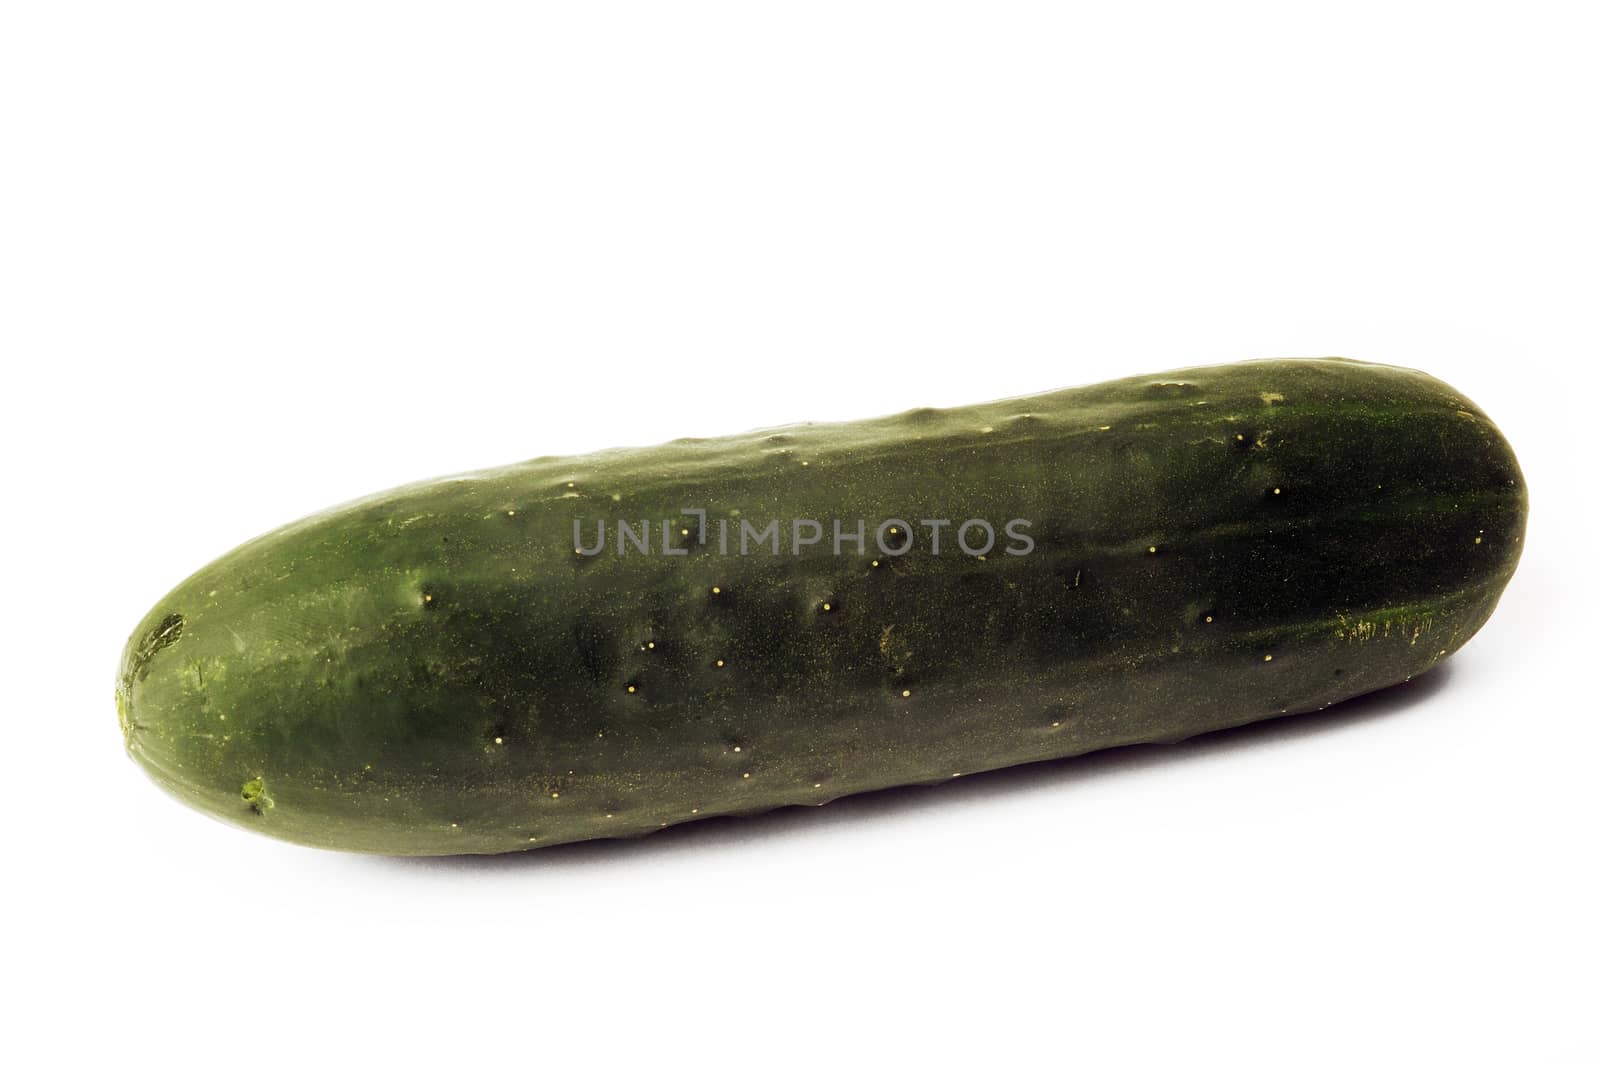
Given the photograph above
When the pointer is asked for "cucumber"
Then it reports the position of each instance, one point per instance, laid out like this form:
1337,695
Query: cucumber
461,666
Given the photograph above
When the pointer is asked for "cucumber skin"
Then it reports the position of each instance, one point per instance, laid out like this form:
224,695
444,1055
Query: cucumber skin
435,670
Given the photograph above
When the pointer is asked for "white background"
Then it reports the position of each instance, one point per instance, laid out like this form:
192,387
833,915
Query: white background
257,259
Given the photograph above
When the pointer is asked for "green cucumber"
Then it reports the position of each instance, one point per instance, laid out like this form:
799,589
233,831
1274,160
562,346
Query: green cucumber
451,666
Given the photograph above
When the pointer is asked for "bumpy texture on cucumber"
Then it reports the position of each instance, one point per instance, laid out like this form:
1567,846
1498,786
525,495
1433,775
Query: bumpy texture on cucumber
438,670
